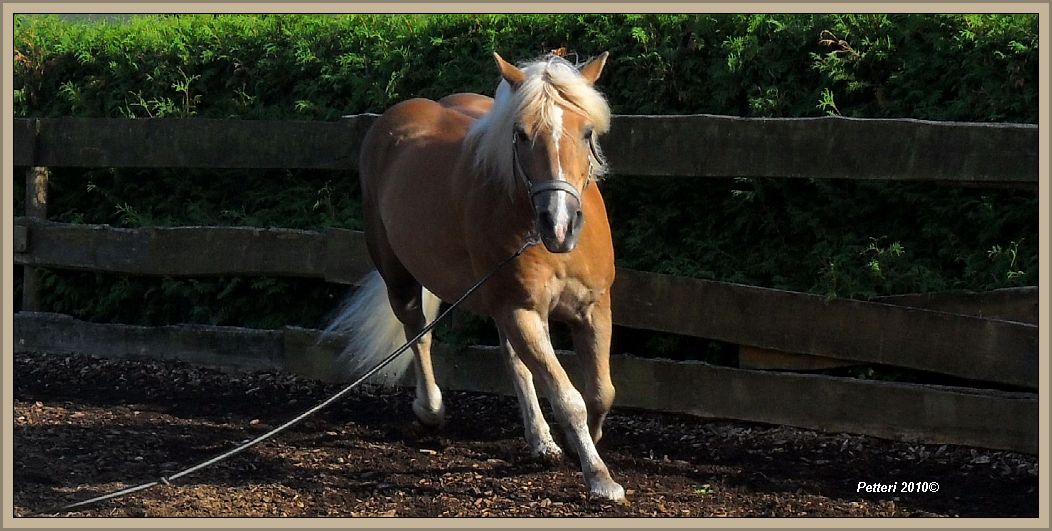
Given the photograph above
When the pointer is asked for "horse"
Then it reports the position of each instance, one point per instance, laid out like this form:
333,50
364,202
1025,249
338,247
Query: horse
453,187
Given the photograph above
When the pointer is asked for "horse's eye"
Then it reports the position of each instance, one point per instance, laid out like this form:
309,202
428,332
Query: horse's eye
520,134
587,134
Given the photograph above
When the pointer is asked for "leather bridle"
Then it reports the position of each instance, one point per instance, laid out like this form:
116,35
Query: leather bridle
553,185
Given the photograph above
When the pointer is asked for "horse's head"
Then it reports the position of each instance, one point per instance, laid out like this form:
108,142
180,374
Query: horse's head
554,125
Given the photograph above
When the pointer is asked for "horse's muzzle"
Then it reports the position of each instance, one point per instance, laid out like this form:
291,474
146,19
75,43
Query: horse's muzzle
558,220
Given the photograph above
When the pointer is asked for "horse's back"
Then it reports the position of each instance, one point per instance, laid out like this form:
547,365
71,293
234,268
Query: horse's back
411,121
468,103
421,127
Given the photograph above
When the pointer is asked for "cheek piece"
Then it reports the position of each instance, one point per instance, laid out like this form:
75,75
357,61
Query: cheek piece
553,186
546,186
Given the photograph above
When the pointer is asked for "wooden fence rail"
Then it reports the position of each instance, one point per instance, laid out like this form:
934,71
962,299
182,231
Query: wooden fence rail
986,337
923,413
686,146
1011,304
959,345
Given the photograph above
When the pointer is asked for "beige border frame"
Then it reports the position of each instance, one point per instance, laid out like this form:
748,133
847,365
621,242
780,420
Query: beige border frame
6,214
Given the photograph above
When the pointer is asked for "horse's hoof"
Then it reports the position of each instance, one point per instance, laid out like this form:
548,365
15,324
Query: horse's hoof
429,417
548,453
608,490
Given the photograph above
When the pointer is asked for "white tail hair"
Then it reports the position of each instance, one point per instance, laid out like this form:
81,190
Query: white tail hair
374,332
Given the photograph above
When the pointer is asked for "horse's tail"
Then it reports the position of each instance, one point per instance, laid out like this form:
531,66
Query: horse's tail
373,331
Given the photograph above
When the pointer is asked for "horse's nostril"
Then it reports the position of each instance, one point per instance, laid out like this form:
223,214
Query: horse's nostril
575,223
546,220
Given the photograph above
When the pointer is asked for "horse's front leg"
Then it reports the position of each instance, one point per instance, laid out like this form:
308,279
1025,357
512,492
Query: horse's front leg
528,336
591,340
538,434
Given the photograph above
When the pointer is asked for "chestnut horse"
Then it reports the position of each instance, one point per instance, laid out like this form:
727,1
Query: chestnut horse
453,187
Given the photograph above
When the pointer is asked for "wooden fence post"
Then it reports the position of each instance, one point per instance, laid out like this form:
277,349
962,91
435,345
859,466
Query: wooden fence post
36,208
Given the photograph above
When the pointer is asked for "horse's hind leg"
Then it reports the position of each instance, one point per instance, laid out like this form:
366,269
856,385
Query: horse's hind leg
527,334
428,405
538,434
591,339
411,307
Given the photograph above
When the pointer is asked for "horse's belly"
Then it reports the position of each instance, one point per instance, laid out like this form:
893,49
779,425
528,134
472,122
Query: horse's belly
441,272
424,237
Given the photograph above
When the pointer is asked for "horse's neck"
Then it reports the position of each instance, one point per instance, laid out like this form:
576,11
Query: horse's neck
489,208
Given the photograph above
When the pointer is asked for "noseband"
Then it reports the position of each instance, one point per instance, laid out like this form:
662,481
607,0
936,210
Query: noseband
554,185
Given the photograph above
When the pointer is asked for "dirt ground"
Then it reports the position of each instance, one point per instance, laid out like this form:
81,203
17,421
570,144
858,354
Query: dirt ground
86,426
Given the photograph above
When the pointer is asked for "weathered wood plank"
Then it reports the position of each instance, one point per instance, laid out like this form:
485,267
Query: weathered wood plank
930,414
176,251
964,346
201,143
958,345
346,256
827,147
687,145
336,255
212,346
312,354
1011,304
942,415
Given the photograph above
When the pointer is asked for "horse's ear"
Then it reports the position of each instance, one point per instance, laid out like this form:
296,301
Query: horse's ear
511,73
594,67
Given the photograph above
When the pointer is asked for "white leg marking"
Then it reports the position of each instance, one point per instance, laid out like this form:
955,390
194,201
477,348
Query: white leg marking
428,405
529,338
538,434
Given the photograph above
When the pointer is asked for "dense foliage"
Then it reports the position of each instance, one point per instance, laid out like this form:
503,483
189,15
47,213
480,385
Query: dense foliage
848,239
946,67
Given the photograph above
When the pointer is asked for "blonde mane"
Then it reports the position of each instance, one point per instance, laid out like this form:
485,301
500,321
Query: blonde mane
550,83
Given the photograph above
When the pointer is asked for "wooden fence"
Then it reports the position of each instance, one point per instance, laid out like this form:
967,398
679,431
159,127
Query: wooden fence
988,338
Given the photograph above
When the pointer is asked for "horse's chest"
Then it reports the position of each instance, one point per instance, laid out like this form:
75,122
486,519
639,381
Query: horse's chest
570,298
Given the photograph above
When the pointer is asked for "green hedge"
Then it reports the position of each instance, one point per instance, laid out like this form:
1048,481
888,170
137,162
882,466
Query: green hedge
943,67
849,239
